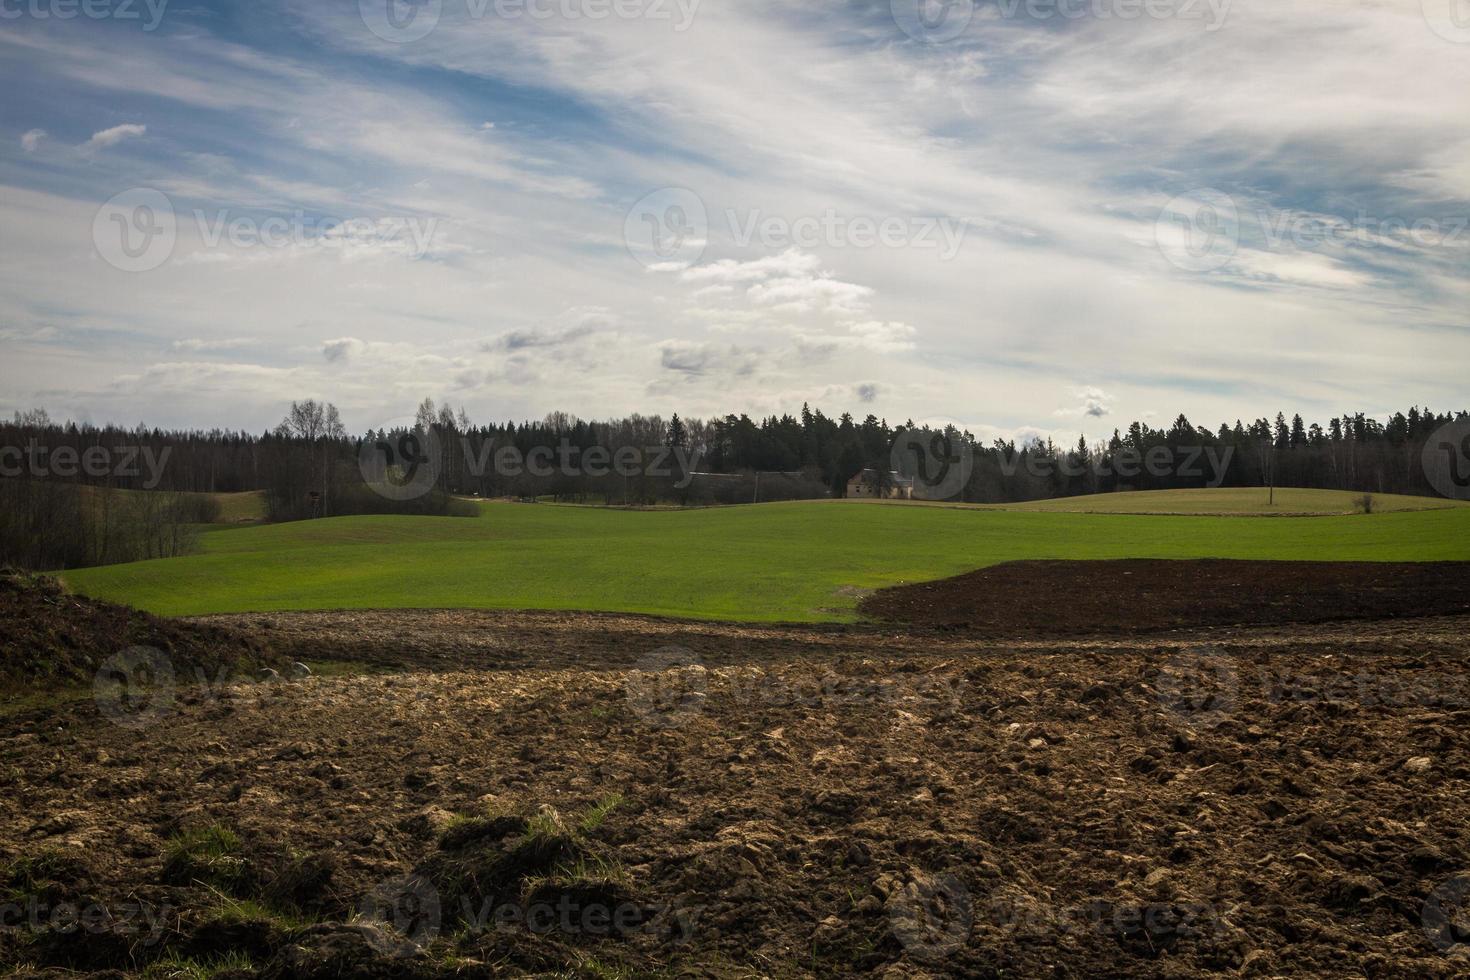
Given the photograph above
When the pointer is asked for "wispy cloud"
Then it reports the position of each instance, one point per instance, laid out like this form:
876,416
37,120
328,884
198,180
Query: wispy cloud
199,344
115,135
1058,144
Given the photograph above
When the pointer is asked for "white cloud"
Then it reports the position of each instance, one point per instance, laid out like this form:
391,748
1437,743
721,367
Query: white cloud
884,337
31,140
198,344
719,291
790,282
115,135
790,263
801,295
1298,267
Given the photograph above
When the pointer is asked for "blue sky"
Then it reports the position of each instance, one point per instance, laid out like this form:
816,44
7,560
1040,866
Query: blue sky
1012,219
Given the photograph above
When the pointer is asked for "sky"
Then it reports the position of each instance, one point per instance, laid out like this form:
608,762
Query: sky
1019,216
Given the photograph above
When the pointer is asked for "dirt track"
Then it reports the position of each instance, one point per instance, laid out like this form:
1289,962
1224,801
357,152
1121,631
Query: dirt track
796,802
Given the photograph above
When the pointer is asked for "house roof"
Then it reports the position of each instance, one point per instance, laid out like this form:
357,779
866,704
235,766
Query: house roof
870,475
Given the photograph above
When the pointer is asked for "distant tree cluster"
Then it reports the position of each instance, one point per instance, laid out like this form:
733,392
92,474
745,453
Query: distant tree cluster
69,525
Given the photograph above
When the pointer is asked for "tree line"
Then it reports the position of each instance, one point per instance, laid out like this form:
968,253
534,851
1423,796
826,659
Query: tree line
738,458
63,486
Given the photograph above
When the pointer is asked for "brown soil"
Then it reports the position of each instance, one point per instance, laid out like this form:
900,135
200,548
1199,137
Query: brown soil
1071,598
1284,801
51,637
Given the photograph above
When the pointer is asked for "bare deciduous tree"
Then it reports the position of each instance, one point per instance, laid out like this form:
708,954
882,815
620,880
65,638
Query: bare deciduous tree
319,424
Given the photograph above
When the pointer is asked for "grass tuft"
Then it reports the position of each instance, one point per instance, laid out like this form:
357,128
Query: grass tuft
208,855
48,876
594,815
199,968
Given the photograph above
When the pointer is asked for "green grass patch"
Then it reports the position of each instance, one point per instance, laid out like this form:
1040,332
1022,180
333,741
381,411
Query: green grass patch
199,968
231,910
594,816
47,876
513,854
25,700
228,508
237,508
209,855
800,562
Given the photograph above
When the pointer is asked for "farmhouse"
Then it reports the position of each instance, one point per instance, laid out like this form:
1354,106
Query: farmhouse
894,487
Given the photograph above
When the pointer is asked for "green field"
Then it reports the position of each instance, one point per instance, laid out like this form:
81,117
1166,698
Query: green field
239,508
234,508
796,561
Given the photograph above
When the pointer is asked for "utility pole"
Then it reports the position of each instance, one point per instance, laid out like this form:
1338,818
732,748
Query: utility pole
757,498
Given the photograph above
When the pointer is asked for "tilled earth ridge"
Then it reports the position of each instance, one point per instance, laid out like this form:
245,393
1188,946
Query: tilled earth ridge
457,639
1135,596
794,802
51,638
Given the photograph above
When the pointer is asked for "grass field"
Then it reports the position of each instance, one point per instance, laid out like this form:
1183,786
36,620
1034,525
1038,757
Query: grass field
234,508
795,562
239,508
